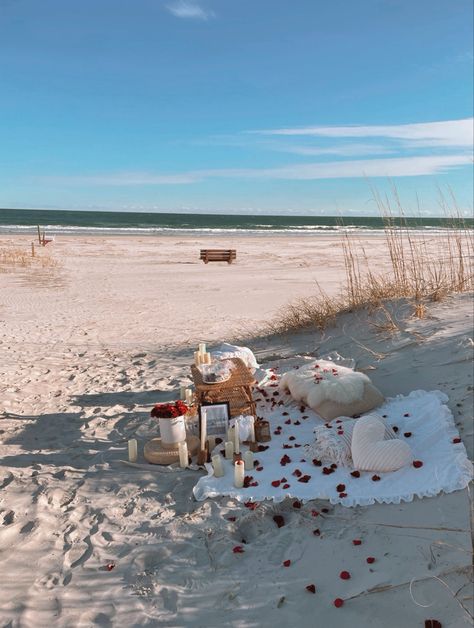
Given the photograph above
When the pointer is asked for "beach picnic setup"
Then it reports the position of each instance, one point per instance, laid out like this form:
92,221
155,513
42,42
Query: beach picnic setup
305,428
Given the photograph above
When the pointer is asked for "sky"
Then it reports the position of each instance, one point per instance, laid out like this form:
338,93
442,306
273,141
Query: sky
236,106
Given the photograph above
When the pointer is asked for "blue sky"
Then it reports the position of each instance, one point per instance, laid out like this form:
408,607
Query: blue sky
261,106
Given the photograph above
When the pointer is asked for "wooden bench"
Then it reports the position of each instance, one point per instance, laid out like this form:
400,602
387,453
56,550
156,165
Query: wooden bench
218,255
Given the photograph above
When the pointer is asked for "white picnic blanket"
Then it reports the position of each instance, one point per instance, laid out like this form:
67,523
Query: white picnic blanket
422,416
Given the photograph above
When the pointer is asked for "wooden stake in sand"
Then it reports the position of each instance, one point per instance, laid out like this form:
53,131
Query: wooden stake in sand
32,249
39,235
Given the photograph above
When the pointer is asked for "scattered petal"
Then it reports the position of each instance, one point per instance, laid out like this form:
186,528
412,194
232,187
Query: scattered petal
338,602
316,462
355,474
317,532
407,434
278,519
110,566
344,575
456,440
340,488
286,486
417,464
356,542
276,483
370,560
375,478
296,504
286,563
311,588
238,549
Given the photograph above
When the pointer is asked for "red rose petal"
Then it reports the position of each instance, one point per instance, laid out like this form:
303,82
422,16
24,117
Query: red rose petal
298,473
278,519
284,413
311,588
338,602
417,464
375,478
317,532
259,469
286,563
238,549
356,542
110,566
334,465
314,513
340,488
305,479
276,483
342,495
407,434
286,486
296,504
406,414
288,422
292,438
370,560
344,575
355,474
296,423
456,440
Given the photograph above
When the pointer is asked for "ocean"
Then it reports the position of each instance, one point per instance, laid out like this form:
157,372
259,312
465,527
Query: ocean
134,223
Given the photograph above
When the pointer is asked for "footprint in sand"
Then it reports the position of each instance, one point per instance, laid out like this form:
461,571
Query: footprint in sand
9,518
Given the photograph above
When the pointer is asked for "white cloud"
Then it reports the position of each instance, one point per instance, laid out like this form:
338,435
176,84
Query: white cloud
448,133
187,9
371,168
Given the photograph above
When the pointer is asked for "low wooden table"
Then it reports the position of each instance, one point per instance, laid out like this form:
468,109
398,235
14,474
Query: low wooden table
237,390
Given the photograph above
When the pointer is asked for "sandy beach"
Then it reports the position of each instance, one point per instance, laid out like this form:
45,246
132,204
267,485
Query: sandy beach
105,328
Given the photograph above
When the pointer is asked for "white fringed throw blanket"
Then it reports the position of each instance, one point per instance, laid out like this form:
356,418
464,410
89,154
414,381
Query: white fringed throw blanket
284,470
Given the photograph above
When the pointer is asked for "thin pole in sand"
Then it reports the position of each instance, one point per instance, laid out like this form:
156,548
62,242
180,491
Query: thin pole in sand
32,249
39,235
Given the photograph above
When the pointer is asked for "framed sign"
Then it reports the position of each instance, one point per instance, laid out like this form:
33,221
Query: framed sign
217,417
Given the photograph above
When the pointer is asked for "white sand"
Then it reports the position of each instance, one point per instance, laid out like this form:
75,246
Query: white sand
89,345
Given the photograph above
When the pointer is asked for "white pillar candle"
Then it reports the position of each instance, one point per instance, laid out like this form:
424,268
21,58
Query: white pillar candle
236,438
239,474
202,347
230,434
252,431
183,454
206,358
229,450
248,460
203,431
188,396
182,392
132,450
217,466
196,358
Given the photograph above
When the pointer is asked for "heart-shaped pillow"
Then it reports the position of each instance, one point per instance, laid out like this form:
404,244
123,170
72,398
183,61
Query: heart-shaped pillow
370,452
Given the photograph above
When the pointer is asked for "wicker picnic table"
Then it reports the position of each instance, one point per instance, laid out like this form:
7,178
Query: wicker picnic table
237,390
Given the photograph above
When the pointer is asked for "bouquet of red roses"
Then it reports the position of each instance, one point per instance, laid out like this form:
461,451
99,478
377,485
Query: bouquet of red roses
169,410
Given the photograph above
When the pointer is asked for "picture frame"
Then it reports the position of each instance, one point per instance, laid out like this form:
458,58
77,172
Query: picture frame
217,417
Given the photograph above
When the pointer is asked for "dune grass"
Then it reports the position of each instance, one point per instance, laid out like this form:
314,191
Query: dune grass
13,258
422,268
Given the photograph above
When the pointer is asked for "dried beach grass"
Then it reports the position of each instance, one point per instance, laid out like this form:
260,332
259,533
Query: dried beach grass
422,268
12,258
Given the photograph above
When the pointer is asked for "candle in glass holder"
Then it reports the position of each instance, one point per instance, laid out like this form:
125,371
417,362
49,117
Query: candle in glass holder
248,460
197,358
239,474
183,454
252,431
132,450
202,347
182,392
236,438
229,450
217,466
188,396
211,441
